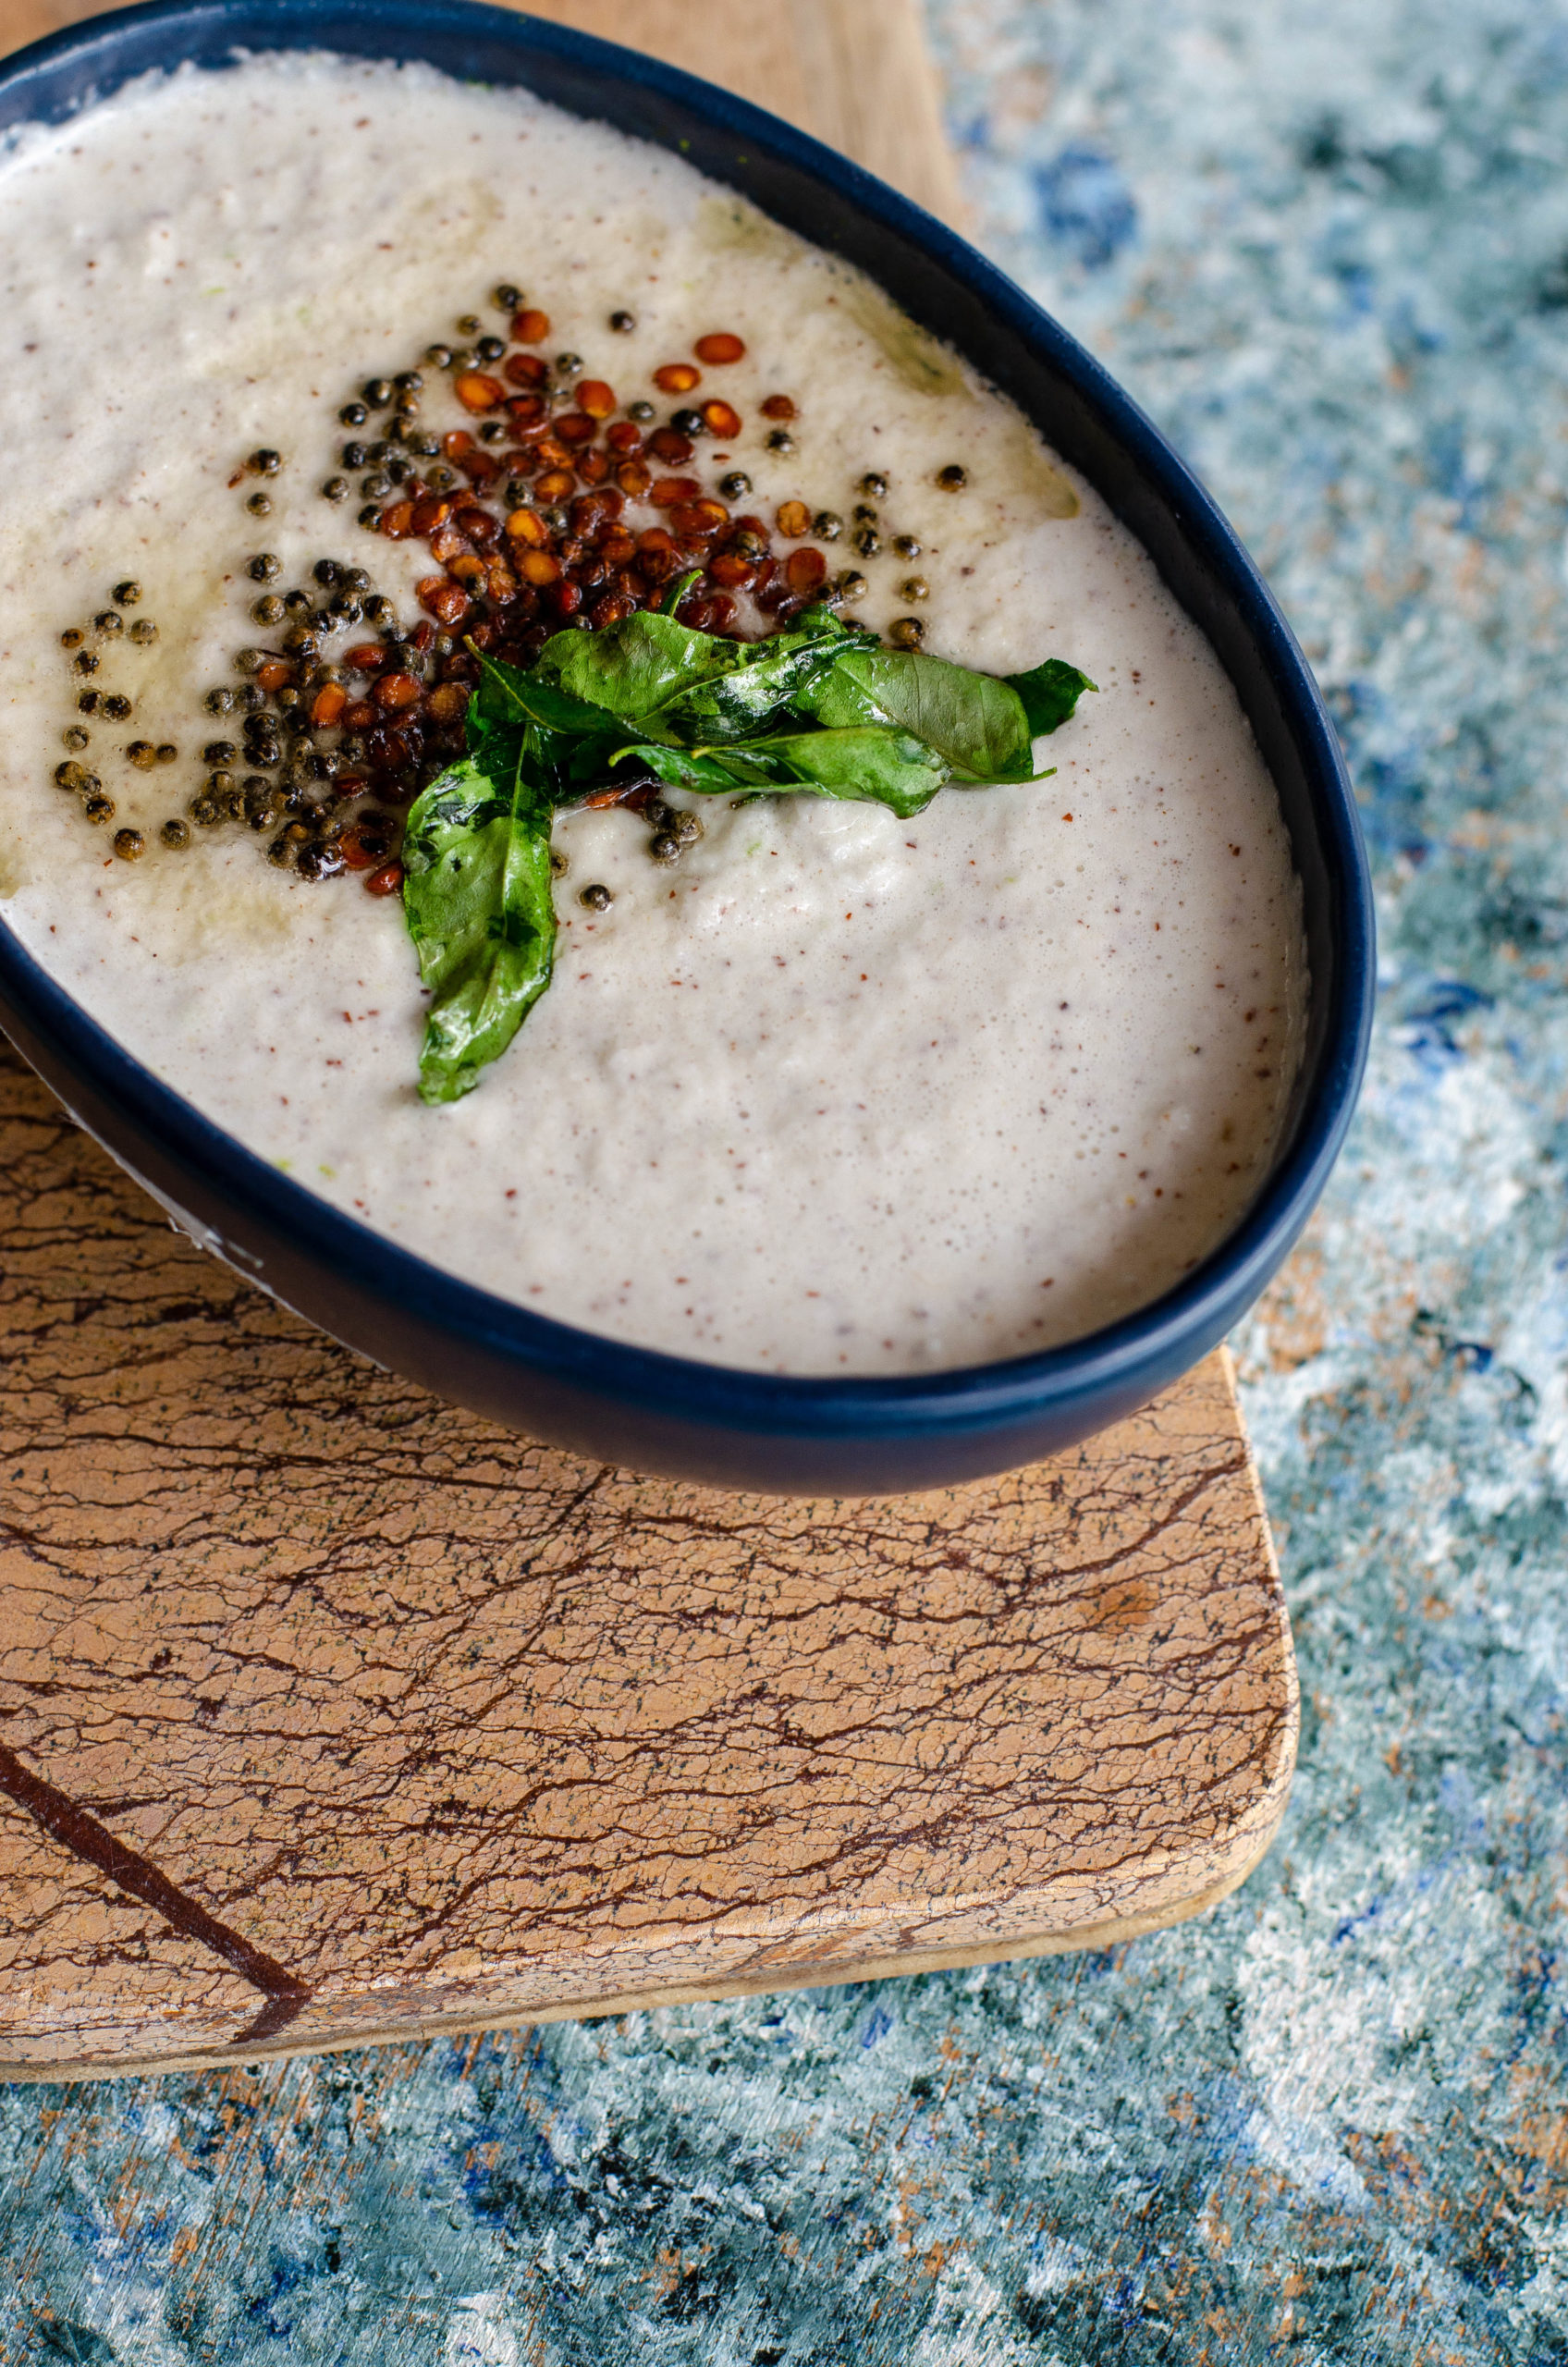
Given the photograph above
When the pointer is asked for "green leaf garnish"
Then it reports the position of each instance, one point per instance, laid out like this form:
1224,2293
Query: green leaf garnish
1050,693
476,893
820,708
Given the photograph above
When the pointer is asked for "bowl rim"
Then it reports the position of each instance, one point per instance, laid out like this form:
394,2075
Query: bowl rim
963,1399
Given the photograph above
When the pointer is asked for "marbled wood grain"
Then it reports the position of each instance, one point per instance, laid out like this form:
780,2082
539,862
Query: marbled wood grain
329,1712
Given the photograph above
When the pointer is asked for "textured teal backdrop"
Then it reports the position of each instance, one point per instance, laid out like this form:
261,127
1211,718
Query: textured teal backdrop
1327,244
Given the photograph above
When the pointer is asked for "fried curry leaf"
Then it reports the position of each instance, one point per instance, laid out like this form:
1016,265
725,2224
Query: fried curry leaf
1051,694
633,668
685,686
774,687
874,765
820,708
974,723
476,894
560,726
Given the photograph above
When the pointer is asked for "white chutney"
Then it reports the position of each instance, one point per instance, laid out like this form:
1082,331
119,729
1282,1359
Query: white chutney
839,1094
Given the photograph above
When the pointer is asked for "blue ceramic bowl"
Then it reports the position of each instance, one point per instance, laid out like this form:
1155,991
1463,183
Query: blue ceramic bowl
625,1404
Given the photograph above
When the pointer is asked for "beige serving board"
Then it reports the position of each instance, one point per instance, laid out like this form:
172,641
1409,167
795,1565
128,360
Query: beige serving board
330,1713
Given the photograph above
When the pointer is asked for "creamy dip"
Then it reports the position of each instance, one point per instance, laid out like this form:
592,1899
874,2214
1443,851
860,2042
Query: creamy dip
839,1093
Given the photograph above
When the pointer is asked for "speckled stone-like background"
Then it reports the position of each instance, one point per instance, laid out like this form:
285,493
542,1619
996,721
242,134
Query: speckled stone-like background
1328,247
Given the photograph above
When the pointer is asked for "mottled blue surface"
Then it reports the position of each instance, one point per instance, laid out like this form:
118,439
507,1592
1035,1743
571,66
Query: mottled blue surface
1328,246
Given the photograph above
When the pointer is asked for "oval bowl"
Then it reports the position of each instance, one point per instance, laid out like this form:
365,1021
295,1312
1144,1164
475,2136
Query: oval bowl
631,1406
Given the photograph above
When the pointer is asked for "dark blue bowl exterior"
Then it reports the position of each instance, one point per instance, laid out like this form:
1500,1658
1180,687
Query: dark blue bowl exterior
627,1405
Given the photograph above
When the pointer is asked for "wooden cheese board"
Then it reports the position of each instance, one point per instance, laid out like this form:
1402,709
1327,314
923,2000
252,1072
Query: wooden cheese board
329,1713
